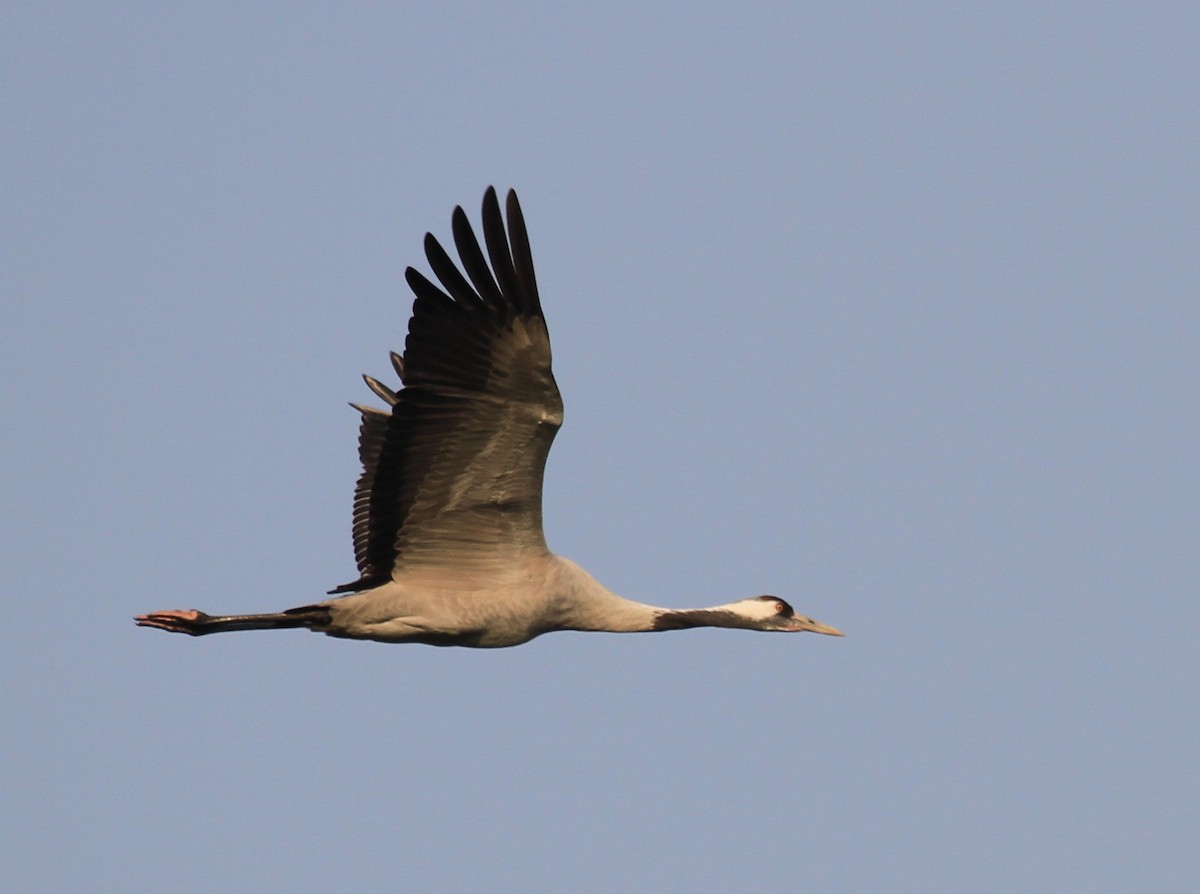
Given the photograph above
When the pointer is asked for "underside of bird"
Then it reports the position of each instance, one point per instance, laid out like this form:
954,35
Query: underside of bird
319,618
561,596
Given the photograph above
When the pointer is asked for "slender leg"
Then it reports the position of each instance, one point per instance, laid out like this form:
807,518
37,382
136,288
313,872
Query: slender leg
197,623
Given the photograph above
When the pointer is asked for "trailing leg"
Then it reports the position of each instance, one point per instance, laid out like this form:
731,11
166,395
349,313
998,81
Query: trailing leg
197,623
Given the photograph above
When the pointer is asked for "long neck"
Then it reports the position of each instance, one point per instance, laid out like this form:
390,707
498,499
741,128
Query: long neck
588,605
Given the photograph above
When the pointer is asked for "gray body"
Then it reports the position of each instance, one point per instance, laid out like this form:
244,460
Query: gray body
540,593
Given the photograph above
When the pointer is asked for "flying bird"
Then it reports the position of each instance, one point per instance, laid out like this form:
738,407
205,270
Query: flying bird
448,508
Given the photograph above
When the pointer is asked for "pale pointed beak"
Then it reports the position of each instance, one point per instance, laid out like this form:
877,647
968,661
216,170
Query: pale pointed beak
816,627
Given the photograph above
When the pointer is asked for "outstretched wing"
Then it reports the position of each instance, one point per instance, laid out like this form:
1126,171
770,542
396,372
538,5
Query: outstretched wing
452,474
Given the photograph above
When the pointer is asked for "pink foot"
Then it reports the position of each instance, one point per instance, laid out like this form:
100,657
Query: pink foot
177,621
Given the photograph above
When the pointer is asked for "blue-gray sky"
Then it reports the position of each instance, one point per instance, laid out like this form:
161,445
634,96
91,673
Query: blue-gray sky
890,309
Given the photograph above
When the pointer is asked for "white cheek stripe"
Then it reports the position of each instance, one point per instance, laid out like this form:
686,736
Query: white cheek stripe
758,609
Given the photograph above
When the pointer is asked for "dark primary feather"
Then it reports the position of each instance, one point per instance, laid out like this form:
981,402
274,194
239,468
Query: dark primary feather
455,469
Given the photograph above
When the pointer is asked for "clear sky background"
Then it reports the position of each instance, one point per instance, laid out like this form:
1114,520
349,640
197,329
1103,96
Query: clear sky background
890,309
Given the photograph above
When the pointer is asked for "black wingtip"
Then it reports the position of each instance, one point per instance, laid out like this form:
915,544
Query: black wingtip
522,255
490,200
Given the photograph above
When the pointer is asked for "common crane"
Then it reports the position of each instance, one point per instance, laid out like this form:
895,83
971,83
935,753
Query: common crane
448,508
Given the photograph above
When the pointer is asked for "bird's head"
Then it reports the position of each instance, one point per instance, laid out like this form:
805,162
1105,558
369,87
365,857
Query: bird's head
774,614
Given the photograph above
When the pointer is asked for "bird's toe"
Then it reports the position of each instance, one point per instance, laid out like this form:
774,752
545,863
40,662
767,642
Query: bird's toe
174,621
